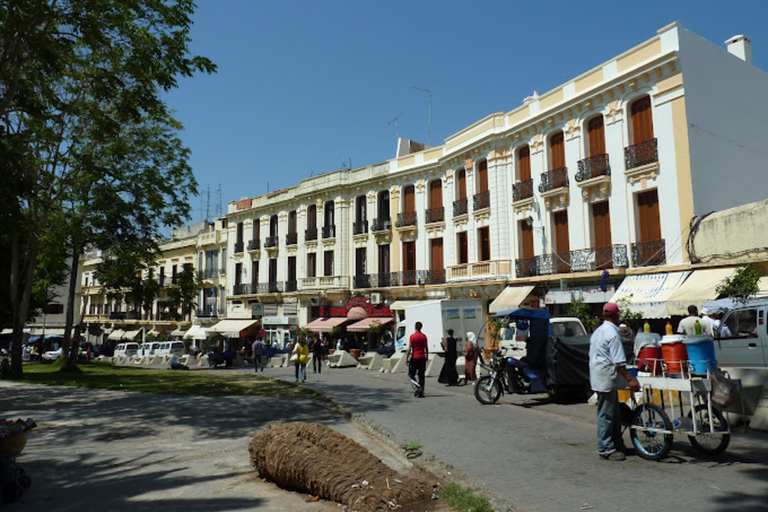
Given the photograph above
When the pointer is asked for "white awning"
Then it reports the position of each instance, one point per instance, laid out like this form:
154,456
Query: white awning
510,298
117,334
402,304
698,289
178,332
648,294
131,335
365,324
325,324
232,326
196,332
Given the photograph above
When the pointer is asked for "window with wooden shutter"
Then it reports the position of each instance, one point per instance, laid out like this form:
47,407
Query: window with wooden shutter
328,263
311,264
526,240
462,248
312,216
482,176
562,242
409,199
556,151
436,254
642,120
648,216
292,268
360,261
601,224
273,270
436,194
596,136
409,256
461,184
524,163
484,244
384,259
273,225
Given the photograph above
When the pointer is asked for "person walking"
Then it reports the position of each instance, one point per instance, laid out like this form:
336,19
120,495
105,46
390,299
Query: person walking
471,353
302,357
258,349
607,361
317,354
448,375
416,359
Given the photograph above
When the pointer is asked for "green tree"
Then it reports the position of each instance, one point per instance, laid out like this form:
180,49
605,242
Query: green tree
580,309
742,285
73,74
184,293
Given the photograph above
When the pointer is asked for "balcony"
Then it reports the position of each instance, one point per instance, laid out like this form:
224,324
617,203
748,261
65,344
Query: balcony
522,190
406,219
408,278
362,281
329,231
271,242
209,273
324,282
207,312
641,154
481,201
593,167
124,315
291,239
238,247
382,224
379,280
291,286
435,276
584,260
554,179
254,245
435,215
480,269
360,228
243,289
310,234
460,207
270,287
648,254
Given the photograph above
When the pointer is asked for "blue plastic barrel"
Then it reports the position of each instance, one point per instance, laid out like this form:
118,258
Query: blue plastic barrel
701,354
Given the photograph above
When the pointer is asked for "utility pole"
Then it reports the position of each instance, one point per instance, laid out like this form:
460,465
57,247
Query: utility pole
429,126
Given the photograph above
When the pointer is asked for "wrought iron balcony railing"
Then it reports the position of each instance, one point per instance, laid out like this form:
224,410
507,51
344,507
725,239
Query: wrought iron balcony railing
460,207
362,281
270,241
641,154
291,286
435,276
254,245
382,224
522,190
379,280
207,312
406,219
310,234
555,178
435,215
360,228
239,247
583,260
593,167
648,254
291,239
481,201
242,289
271,287
329,231
208,273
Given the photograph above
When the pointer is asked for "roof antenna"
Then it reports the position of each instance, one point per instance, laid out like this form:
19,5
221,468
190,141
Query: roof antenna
397,129
429,126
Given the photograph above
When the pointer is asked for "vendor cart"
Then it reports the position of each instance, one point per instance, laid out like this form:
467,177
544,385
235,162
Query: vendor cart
677,404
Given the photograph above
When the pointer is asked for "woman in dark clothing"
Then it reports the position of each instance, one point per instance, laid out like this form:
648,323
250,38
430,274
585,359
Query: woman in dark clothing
449,375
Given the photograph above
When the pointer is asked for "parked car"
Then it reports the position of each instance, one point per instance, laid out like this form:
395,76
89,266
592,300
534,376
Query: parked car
149,348
128,349
170,348
52,355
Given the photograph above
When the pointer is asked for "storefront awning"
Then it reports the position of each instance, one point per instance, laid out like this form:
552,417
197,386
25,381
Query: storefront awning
402,304
232,327
510,298
648,294
116,335
365,324
700,287
325,324
196,332
178,332
131,335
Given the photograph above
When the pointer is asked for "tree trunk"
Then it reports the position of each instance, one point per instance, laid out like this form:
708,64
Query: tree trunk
73,346
22,278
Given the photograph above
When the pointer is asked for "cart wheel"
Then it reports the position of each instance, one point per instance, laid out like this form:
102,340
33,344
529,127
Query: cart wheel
651,444
707,443
487,390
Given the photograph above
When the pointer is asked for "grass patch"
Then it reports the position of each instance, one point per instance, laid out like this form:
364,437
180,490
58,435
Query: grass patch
104,375
463,499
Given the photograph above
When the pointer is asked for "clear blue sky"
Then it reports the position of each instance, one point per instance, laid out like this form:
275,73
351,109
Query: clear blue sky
303,87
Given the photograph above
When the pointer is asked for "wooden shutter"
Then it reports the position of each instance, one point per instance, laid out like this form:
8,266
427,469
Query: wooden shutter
360,266
436,254
409,256
311,264
557,151
524,163
272,270
256,229
562,244
461,184
601,224
648,216
360,215
409,199
291,268
482,176
384,259
526,240
642,121
484,243
596,135
436,194
461,246
312,217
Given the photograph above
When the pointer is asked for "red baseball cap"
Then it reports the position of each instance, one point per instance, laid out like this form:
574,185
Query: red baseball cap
610,309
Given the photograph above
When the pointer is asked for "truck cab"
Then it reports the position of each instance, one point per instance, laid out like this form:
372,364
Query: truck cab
741,339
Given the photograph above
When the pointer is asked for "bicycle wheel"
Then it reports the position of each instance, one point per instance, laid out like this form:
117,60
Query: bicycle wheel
709,443
487,390
648,423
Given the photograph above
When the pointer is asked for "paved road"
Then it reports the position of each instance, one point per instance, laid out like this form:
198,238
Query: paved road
541,456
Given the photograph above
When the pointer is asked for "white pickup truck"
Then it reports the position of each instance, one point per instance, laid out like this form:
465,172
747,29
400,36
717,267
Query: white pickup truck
513,337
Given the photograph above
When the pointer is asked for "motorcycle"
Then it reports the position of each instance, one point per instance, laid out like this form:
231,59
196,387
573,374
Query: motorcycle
507,375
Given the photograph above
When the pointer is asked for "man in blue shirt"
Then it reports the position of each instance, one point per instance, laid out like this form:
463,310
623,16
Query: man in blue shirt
607,361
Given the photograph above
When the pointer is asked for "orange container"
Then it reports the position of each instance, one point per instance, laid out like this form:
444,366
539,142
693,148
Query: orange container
649,359
674,354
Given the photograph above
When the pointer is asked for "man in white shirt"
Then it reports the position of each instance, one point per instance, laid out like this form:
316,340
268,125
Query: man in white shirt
707,322
607,361
687,325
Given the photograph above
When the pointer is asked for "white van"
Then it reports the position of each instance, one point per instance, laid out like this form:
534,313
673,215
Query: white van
741,339
127,349
170,348
148,348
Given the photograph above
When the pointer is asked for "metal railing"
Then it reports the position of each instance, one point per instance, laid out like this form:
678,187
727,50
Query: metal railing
329,231
435,215
406,219
481,201
270,241
380,280
647,254
641,154
291,239
552,179
310,234
382,224
270,287
360,228
207,312
208,273
243,289
522,190
291,286
362,281
239,247
254,245
460,207
582,260
435,276
593,167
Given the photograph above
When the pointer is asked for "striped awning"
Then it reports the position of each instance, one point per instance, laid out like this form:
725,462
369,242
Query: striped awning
325,324
365,324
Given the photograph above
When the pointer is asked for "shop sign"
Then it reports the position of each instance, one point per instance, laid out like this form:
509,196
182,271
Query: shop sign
257,310
275,320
